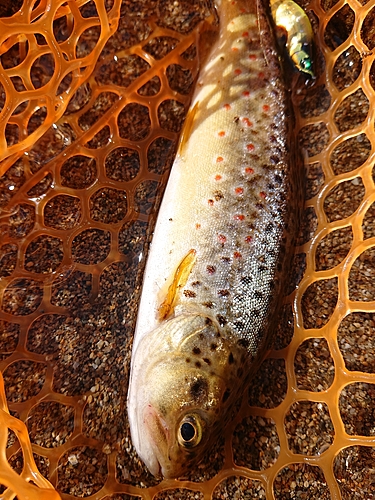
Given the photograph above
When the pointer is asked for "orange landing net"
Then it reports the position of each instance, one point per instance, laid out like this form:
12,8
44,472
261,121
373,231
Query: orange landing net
92,97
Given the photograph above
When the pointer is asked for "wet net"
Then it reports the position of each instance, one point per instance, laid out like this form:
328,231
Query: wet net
93,95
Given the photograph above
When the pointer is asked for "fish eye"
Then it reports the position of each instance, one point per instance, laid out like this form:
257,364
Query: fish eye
189,432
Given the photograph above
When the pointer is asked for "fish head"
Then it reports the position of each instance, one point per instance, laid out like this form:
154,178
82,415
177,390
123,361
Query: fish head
185,378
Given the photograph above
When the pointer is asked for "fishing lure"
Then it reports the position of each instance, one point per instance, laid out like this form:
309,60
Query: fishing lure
220,251
292,19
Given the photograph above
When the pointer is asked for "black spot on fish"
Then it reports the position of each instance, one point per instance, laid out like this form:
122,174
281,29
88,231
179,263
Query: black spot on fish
230,359
211,269
221,319
278,179
239,298
239,326
210,305
246,280
262,268
226,395
258,294
207,361
196,351
218,195
196,283
225,259
198,364
213,347
199,388
187,360
208,321
274,159
189,294
243,343
223,293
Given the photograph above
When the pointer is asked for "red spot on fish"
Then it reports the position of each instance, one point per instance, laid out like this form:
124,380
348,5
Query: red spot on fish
248,239
237,71
261,75
245,33
239,217
239,190
234,49
227,107
237,255
221,133
266,108
218,177
249,170
252,57
262,194
247,122
221,238
250,147
197,226
246,93
219,159
210,202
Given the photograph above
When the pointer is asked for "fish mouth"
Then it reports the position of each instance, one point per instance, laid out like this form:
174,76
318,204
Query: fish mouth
158,434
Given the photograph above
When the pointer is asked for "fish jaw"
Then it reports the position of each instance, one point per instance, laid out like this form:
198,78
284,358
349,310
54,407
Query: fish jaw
138,416
160,439
158,434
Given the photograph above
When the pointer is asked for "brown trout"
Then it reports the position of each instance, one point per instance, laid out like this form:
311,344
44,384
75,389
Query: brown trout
220,251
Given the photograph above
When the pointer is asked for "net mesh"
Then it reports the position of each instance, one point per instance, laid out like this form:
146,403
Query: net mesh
92,96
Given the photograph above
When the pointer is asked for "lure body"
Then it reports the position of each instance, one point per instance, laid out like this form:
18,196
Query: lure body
288,15
220,249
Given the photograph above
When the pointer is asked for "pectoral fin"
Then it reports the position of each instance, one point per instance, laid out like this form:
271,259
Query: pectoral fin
179,281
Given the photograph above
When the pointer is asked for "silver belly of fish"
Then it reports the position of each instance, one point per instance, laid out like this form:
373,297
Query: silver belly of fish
220,249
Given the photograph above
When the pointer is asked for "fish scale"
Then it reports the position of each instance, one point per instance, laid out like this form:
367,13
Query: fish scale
220,248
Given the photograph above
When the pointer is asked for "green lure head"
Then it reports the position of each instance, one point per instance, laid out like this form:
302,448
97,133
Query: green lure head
302,60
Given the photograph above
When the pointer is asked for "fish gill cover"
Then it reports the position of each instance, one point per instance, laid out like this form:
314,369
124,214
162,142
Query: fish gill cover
93,96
